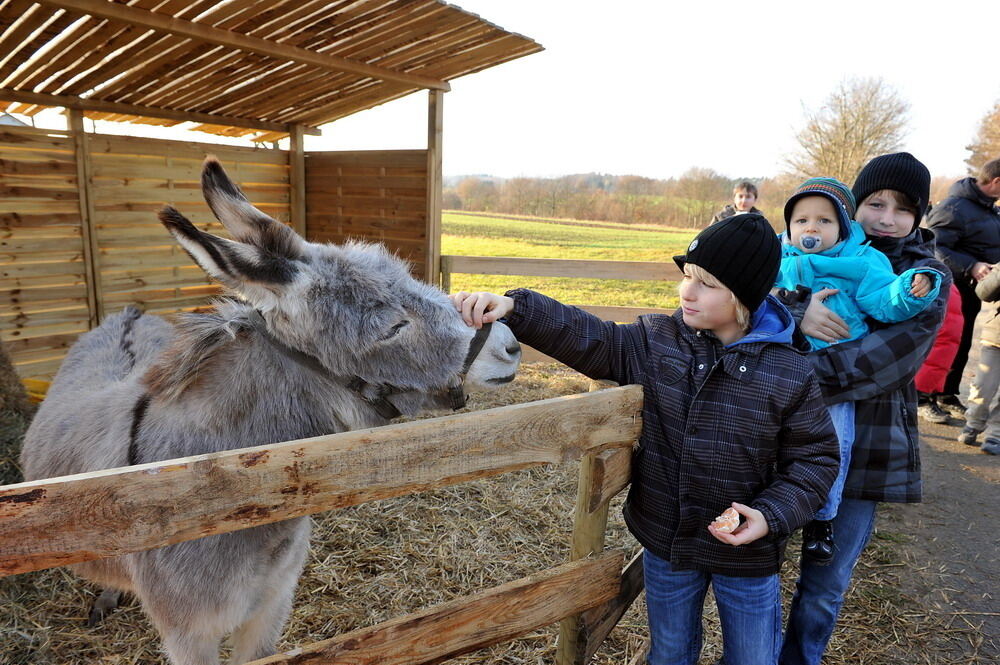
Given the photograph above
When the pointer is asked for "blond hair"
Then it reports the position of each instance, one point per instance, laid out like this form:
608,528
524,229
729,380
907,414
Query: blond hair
742,313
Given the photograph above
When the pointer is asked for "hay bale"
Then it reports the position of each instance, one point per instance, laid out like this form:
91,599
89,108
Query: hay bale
15,415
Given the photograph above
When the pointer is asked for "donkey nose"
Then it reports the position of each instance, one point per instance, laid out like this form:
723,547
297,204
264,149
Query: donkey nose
513,349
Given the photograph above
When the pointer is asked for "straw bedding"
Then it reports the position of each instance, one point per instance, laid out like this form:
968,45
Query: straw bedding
376,561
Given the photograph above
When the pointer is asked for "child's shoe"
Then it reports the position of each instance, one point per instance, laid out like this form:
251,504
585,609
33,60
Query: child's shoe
951,404
968,436
928,409
817,542
991,446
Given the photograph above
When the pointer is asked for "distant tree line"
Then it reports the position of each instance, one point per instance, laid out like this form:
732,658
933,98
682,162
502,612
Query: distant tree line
861,119
687,201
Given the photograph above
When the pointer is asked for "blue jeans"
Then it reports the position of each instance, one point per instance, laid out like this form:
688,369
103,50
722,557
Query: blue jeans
842,415
749,609
819,591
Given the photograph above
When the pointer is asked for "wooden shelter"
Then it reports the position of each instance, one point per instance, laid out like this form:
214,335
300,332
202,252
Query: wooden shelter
77,225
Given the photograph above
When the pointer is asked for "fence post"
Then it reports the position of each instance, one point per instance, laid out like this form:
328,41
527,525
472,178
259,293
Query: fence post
446,274
589,527
88,226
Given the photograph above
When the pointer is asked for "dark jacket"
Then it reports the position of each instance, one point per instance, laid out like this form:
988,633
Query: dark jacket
730,210
876,373
989,291
741,423
967,230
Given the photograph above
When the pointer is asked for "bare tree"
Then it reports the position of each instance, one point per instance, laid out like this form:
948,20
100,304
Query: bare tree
986,145
861,119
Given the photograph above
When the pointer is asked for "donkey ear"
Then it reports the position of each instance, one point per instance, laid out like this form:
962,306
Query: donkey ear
237,265
241,218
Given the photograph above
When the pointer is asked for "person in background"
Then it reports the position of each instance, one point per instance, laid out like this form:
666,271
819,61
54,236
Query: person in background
732,418
967,232
876,373
744,198
934,372
824,248
984,406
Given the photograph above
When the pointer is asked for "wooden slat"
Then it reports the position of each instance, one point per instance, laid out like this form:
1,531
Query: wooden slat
467,624
598,622
132,145
53,167
204,33
506,265
82,104
317,160
55,522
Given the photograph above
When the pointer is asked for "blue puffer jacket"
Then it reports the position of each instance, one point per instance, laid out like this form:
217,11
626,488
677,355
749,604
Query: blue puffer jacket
868,286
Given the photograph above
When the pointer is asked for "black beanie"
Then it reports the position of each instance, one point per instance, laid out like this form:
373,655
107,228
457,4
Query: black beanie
900,171
742,252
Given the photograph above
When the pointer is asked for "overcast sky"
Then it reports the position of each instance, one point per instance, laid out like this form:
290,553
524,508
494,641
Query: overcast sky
653,88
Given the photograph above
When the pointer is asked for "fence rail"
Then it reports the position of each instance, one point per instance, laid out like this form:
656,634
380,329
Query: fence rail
59,521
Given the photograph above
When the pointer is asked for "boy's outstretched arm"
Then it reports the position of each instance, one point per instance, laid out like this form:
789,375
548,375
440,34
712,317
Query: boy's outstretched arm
596,348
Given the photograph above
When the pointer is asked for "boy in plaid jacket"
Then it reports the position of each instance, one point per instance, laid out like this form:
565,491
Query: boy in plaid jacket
732,418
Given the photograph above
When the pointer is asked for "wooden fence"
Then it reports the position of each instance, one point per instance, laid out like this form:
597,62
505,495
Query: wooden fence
64,520
584,269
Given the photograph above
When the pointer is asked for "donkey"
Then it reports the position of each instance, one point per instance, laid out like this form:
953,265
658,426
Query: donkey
316,339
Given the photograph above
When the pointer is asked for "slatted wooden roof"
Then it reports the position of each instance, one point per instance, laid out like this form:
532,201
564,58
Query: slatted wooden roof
240,67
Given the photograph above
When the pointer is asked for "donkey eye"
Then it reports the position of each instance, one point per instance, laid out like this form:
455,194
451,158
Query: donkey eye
393,331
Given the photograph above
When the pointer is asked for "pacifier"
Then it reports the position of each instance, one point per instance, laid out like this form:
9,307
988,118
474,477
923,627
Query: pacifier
810,242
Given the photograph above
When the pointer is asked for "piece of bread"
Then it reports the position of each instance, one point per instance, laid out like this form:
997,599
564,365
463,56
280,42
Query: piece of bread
727,521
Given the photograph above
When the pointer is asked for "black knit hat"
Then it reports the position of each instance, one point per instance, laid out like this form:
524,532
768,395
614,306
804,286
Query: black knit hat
742,252
900,171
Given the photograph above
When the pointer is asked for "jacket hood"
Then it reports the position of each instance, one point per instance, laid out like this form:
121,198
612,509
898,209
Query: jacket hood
772,322
850,246
967,188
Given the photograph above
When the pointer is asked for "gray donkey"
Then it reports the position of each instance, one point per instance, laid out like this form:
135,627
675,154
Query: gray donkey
320,339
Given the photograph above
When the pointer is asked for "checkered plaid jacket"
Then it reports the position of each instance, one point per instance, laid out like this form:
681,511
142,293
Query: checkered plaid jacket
876,372
744,423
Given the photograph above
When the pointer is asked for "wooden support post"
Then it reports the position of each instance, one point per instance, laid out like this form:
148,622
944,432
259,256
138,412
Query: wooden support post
95,302
589,527
435,180
297,179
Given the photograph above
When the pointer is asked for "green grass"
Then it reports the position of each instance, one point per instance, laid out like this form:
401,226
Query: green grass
479,236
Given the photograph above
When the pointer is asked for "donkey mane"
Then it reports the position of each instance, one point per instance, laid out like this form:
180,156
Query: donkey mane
198,341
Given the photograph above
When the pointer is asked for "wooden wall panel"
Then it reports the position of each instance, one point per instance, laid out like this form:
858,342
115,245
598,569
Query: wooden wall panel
373,195
43,289
137,261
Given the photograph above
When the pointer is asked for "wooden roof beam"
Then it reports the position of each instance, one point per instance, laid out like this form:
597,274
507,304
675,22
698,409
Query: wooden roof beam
204,33
71,102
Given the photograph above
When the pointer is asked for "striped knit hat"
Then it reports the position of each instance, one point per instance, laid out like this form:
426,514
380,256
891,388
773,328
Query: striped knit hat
837,192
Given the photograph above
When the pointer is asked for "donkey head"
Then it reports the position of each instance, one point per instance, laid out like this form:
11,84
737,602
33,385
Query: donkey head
353,310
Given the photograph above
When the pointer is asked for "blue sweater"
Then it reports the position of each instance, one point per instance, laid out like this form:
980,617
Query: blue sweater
868,286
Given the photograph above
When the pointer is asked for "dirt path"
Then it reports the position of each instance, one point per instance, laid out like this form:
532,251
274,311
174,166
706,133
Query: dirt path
952,567
953,550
